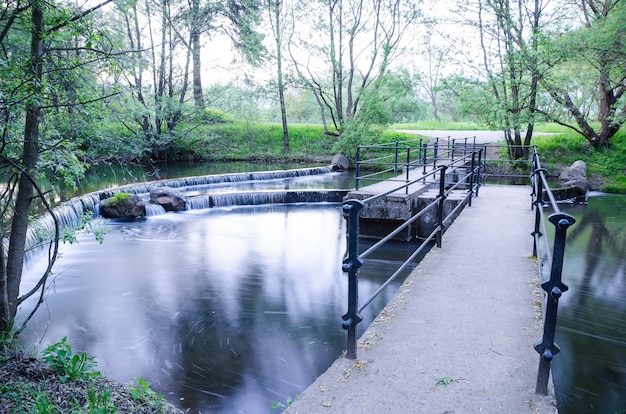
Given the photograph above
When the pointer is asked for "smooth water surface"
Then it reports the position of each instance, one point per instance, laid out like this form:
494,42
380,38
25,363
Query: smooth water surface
223,310
590,371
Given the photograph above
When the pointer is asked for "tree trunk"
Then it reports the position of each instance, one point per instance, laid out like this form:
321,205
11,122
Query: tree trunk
279,74
198,97
433,99
19,225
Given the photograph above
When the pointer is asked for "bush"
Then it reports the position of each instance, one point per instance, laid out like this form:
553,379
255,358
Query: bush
215,116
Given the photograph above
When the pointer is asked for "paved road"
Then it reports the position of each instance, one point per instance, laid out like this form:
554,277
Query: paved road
458,336
482,137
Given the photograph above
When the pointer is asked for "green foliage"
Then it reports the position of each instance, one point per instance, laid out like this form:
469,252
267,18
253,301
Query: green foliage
215,116
281,406
42,405
357,132
143,392
67,365
446,381
86,224
99,402
64,164
120,197
562,150
251,141
380,105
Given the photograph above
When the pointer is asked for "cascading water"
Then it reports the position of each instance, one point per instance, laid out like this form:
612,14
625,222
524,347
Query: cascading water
223,309
202,191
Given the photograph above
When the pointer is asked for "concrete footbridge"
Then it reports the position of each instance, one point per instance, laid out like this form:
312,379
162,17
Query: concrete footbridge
468,327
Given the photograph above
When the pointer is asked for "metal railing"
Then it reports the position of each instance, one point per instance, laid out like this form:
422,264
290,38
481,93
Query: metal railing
488,162
375,163
497,164
553,288
427,157
382,162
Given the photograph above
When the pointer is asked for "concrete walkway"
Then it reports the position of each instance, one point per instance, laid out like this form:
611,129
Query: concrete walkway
458,336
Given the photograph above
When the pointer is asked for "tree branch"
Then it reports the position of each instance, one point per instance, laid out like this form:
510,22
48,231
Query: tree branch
78,16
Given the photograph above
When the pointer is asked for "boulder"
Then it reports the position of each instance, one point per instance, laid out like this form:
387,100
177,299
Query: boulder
169,198
340,162
123,206
573,182
575,176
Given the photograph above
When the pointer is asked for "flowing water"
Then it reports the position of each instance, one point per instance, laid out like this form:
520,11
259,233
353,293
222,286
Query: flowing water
224,309
590,371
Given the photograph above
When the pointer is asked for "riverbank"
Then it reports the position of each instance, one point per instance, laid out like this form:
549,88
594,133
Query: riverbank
30,385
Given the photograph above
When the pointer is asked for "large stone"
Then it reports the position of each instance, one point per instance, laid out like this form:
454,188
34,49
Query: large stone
574,178
123,206
169,198
340,162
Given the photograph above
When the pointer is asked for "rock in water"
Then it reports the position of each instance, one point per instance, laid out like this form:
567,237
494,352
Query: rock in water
169,198
124,206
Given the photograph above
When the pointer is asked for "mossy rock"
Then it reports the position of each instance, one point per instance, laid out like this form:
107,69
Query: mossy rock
123,206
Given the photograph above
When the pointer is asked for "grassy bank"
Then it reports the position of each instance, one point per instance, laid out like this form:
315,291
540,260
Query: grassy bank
606,167
62,381
241,141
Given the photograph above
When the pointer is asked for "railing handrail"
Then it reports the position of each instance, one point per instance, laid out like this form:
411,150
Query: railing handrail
352,209
554,287
428,156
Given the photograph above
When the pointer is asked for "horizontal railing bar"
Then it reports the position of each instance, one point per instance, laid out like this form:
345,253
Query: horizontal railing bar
399,270
404,225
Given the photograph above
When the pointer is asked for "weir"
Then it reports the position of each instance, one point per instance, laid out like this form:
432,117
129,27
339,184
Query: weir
266,187
435,180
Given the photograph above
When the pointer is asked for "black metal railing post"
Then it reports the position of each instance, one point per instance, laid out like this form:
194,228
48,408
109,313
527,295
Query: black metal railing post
358,167
452,154
479,170
406,173
351,265
442,199
435,153
471,176
554,288
425,159
395,161
537,203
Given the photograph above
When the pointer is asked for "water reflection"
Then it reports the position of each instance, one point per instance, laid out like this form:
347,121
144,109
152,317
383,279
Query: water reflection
590,372
223,310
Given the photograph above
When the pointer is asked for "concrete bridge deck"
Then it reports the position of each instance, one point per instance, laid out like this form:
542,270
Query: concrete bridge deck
458,336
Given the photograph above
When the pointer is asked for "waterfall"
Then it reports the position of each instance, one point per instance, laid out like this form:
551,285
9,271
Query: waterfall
69,213
191,182
255,198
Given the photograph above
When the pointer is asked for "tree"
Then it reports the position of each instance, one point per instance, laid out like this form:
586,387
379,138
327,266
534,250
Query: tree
511,66
165,53
26,97
592,54
435,57
277,12
348,50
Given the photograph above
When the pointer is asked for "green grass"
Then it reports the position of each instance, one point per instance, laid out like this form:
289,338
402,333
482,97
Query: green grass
607,163
263,141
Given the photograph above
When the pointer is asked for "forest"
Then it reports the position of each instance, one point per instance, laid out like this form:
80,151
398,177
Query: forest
142,81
